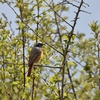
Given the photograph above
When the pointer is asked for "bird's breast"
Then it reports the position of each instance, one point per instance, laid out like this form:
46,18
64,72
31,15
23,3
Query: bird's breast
39,57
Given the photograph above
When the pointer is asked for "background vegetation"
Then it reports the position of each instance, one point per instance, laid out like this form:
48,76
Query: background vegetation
70,67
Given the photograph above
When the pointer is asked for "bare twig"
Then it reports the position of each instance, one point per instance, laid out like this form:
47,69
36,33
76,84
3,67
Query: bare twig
85,11
86,4
67,2
48,84
9,23
58,14
38,10
58,30
76,61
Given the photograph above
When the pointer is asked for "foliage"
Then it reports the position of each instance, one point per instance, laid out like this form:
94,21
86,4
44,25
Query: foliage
69,69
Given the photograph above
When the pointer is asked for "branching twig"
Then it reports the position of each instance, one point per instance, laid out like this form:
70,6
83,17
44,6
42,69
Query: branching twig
67,2
9,23
76,61
58,30
48,84
58,15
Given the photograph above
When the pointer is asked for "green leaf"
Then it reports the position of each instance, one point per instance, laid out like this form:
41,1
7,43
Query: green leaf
15,83
4,36
71,63
65,37
20,25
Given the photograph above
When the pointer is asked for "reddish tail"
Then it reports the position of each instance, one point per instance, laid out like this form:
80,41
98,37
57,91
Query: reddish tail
29,71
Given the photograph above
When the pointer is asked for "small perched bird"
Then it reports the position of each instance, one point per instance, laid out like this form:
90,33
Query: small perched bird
35,55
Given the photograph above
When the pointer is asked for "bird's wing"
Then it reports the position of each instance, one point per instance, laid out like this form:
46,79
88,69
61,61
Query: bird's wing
34,54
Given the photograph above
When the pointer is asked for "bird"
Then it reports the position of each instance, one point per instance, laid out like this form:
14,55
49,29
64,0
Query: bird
35,55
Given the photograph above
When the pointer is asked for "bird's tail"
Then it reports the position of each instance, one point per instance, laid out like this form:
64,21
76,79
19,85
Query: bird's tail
29,71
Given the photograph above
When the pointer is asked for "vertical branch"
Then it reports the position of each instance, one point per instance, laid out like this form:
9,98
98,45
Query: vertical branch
58,30
76,17
61,96
59,92
71,83
33,87
23,40
38,9
63,77
66,52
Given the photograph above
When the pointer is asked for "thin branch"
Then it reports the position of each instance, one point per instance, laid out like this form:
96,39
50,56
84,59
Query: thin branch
59,92
38,10
58,30
9,95
46,66
50,8
76,61
63,77
33,85
23,41
71,83
9,23
48,84
58,14
77,2
76,17
86,4
67,2
85,11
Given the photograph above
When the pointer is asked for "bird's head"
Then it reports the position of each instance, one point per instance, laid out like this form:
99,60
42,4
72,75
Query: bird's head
38,45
